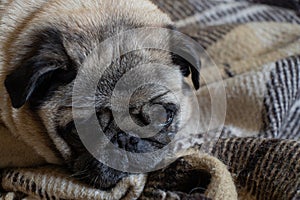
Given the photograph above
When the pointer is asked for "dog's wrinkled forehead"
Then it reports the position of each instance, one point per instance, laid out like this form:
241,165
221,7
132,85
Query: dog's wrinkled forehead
116,38
117,50
140,74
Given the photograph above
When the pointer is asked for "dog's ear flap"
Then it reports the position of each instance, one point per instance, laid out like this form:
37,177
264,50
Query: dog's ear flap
22,82
44,65
184,55
187,68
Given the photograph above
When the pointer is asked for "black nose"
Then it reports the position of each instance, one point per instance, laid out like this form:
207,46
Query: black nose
135,144
126,142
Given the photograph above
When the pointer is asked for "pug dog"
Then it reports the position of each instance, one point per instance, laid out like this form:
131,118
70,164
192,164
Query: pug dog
45,44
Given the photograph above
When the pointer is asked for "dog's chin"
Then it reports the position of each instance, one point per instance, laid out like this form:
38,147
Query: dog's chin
89,170
86,168
97,175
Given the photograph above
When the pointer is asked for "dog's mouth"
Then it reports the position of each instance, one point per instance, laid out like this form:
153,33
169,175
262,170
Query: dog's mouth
160,120
88,169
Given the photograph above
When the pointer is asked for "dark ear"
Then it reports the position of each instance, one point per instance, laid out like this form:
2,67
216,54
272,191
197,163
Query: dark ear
187,68
45,65
184,54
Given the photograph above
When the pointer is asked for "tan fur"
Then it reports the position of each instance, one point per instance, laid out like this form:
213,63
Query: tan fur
20,19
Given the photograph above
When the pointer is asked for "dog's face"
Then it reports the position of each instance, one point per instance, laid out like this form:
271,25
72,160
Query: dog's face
45,78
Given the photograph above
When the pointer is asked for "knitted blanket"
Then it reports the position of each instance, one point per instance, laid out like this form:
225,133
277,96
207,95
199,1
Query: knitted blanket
256,47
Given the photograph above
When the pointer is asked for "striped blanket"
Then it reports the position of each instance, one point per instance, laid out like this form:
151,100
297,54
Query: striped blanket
255,45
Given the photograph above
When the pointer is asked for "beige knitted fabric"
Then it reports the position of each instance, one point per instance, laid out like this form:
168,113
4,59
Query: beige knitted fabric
54,183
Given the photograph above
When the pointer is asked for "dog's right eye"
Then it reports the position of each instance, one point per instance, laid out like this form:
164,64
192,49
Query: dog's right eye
105,118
